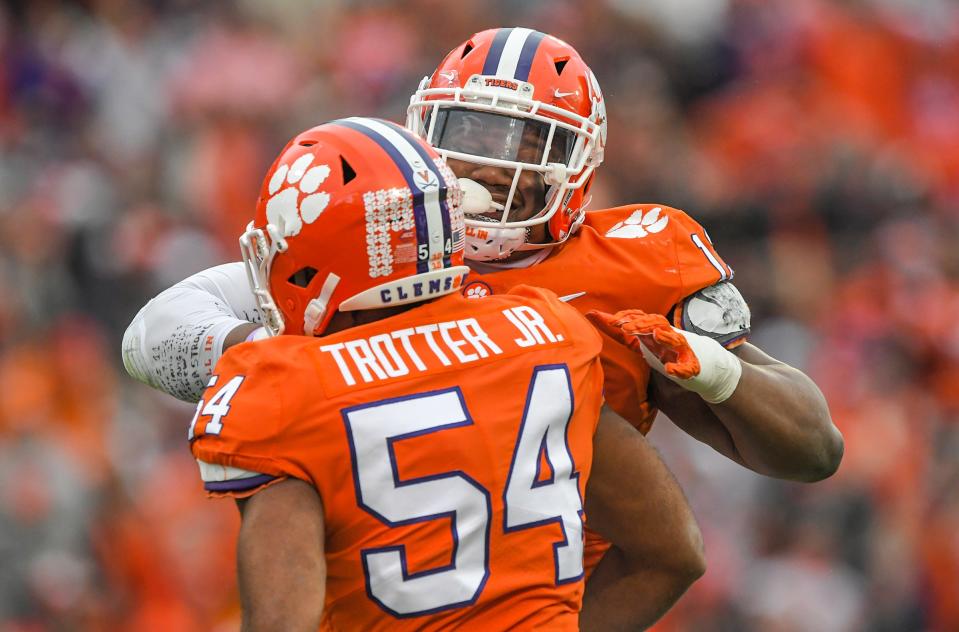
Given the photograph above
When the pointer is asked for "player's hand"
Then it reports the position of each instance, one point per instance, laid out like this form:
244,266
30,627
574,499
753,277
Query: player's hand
650,334
695,362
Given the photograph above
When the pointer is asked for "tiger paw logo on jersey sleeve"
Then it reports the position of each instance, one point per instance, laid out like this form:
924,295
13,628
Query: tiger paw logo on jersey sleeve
639,224
288,209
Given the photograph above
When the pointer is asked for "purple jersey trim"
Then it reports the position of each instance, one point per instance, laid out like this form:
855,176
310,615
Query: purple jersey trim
238,485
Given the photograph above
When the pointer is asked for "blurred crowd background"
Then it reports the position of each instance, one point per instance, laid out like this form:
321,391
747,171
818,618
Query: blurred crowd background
817,141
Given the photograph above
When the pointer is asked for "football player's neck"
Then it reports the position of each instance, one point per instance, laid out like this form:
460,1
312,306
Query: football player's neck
347,320
519,259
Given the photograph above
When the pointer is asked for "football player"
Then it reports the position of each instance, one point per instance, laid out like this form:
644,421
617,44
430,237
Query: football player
521,120
408,457
519,113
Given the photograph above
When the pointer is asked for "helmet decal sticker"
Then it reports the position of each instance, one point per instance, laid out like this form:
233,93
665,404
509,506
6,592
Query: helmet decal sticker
285,209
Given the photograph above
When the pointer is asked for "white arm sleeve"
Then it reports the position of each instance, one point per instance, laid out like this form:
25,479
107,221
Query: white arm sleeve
175,341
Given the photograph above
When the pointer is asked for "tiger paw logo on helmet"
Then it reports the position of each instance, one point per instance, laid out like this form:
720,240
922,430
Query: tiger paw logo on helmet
639,225
285,209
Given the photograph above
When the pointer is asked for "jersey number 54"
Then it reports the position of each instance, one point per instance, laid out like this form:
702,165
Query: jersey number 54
529,500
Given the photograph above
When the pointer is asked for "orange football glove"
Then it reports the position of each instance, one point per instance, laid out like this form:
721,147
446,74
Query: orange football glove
697,363
634,327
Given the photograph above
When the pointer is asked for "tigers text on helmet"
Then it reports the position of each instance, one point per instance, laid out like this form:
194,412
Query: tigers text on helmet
354,214
520,100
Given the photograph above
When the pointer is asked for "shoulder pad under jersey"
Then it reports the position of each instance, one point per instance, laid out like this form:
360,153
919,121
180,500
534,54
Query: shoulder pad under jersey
719,312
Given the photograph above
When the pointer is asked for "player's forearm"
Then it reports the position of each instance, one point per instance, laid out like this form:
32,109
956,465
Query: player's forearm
780,424
690,413
628,594
280,559
634,502
775,423
173,343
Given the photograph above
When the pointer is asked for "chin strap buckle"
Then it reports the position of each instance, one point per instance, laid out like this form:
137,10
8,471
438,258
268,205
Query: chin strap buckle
316,310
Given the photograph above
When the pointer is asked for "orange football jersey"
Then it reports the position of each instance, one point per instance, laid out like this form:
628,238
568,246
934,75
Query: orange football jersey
641,256
451,446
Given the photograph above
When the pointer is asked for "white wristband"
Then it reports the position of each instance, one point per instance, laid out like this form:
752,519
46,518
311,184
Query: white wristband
719,371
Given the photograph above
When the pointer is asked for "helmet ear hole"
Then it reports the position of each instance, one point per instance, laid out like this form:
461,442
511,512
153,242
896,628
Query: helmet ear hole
302,277
560,64
348,172
467,49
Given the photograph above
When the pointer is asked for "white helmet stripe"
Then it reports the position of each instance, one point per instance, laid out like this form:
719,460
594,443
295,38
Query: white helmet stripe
511,52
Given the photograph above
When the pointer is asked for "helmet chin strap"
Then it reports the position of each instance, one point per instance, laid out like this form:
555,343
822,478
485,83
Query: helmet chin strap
316,310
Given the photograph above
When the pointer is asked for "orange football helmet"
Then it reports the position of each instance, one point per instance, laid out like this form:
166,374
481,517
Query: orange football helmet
517,99
354,214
